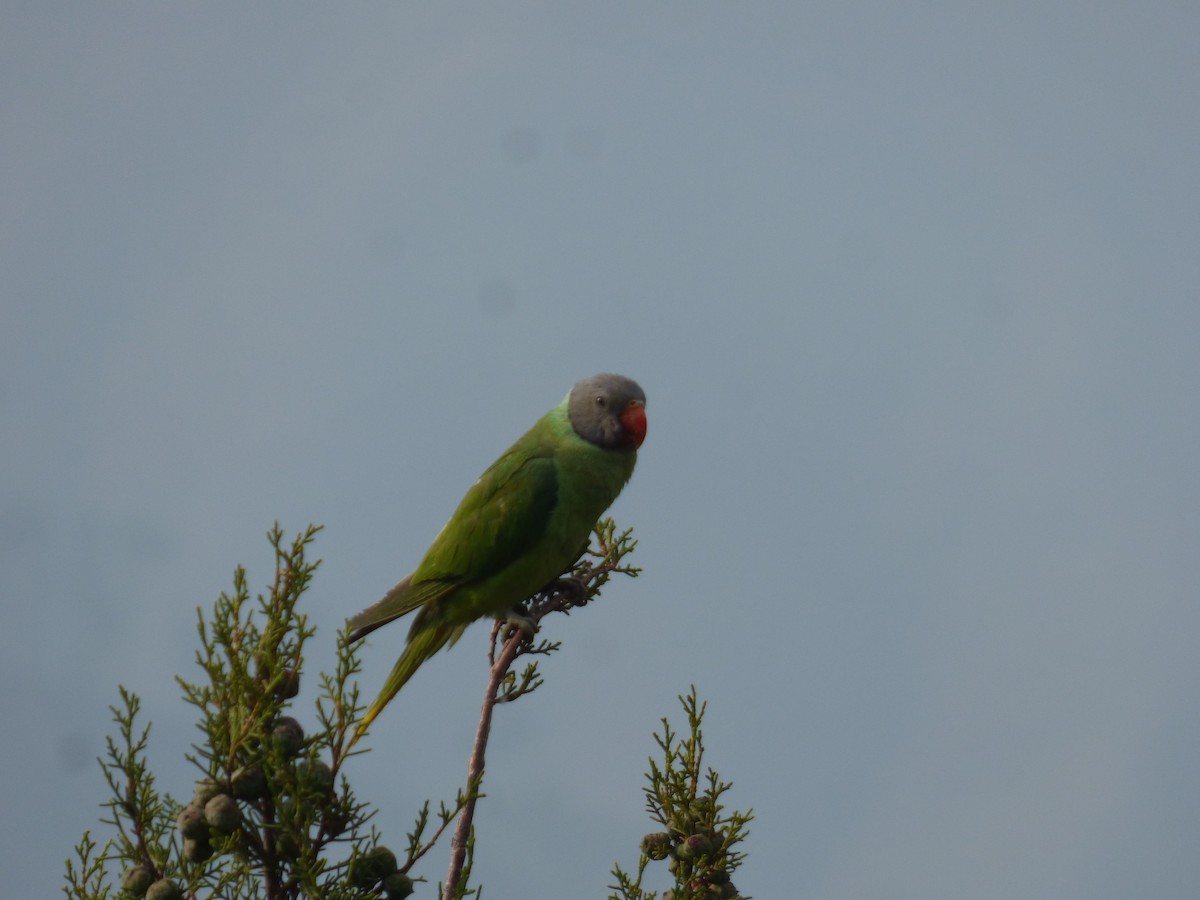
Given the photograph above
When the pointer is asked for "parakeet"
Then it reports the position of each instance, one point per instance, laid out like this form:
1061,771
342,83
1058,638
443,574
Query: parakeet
526,519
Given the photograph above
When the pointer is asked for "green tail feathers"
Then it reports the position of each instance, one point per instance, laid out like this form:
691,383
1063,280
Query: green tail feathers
421,645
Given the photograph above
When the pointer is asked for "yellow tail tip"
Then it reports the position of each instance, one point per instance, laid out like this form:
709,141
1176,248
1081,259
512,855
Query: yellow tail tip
363,725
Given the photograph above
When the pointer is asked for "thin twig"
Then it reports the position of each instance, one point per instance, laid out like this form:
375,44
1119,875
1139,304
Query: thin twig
462,831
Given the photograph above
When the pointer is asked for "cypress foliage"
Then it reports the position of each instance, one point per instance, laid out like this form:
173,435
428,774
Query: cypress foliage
272,813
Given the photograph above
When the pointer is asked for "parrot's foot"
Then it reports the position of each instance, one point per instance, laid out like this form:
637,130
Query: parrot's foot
518,618
570,587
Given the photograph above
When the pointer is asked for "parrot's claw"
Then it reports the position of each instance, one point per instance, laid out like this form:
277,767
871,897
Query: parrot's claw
518,618
571,587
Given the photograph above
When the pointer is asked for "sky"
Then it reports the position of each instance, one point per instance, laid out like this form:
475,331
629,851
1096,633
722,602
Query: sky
911,290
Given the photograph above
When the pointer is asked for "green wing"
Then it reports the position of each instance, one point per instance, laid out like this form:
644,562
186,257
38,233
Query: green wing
401,599
504,514
502,517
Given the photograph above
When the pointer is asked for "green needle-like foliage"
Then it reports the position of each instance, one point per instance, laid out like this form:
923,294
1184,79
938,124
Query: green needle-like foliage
272,814
700,837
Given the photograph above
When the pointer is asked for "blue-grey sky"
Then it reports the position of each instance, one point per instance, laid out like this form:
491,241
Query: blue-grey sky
911,289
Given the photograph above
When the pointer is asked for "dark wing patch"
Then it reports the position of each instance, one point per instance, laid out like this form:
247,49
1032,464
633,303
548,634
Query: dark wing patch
502,517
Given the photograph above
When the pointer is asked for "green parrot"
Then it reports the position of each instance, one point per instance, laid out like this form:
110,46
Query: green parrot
526,519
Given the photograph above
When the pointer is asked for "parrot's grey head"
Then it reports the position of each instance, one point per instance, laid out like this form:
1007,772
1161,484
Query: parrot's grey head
609,411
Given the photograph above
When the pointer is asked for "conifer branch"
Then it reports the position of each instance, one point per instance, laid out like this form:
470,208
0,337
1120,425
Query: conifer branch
701,838
273,815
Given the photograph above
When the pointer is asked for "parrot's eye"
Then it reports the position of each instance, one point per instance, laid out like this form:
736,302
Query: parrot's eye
600,401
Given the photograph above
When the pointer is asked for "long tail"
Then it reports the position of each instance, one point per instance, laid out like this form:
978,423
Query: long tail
421,645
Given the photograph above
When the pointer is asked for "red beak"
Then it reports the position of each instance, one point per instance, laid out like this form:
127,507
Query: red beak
633,420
